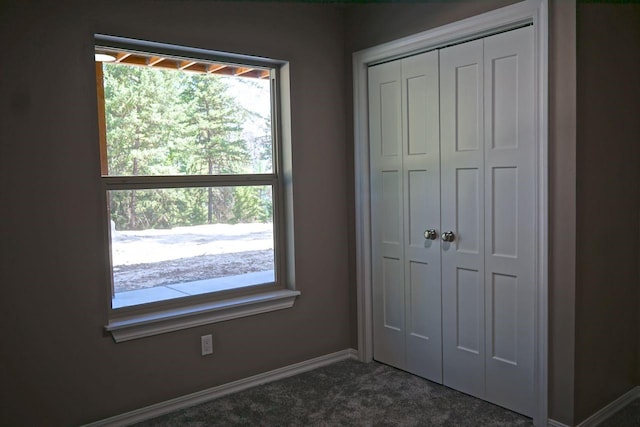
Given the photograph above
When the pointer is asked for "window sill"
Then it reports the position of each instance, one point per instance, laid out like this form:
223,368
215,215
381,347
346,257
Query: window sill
144,325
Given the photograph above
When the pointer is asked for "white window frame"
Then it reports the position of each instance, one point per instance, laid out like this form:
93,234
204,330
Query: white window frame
143,320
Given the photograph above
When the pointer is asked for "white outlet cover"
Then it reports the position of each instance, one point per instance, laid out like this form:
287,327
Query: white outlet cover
206,344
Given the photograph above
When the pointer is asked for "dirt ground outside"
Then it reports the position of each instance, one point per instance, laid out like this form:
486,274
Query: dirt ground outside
148,258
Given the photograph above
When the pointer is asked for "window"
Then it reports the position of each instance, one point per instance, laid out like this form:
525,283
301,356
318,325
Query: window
192,165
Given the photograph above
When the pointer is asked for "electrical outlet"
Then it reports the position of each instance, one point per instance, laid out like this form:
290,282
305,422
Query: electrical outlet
206,344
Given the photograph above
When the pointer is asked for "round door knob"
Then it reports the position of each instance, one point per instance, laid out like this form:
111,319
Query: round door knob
448,236
430,234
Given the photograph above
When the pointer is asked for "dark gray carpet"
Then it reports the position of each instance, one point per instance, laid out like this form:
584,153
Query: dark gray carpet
347,393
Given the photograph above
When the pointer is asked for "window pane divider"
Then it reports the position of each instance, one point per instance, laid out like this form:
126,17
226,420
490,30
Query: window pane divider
171,181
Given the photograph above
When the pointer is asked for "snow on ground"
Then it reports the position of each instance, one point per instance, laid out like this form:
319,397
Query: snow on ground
148,246
148,258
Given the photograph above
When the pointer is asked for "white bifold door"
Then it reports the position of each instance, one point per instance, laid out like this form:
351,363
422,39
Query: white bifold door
452,213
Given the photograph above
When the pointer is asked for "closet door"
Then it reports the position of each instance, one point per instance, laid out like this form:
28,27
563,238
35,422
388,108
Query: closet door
387,228
452,150
405,190
463,210
510,219
421,166
488,202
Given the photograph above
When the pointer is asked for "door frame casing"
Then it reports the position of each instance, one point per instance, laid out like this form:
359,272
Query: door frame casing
527,12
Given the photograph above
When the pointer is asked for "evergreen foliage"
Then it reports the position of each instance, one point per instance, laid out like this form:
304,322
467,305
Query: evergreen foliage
164,122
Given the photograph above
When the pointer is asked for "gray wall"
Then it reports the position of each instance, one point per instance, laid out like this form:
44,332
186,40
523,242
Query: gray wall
562,208
608,202
372,24
54,356
56,366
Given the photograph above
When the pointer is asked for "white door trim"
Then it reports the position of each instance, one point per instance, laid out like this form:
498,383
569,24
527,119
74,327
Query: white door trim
526,12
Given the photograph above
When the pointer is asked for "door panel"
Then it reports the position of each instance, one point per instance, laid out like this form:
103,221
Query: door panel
468,104
418,95
392,284
421,165
510,219
505,80
418,187
468,321
387,232
389,116
391,204
504,301
420,327
462,186
504,206
468,221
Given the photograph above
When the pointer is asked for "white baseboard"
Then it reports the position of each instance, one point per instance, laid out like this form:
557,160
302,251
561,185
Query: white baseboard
606,412
613,407
222,390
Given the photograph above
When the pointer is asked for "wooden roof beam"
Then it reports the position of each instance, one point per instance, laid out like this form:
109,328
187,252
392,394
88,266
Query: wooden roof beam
183,65
198,67
212,68
134,60
153,60
195,66
242,70
121,56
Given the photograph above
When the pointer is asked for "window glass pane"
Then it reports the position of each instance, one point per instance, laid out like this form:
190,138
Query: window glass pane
163,121
172,243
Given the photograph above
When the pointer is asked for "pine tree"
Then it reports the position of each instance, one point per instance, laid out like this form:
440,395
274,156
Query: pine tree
141,114
166,122
215,125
